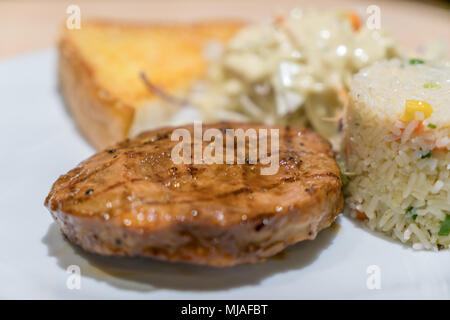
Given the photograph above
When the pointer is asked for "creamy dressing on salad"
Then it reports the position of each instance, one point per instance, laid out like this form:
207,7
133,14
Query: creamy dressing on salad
294,71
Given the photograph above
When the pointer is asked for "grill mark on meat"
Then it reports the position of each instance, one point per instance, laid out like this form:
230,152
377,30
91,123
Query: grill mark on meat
218,196
326,174
111,187
245,189
80,177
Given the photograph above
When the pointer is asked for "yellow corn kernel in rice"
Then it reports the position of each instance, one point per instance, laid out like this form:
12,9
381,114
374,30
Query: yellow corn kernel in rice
413,106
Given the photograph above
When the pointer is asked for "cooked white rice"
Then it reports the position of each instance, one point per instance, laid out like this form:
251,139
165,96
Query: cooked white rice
400,167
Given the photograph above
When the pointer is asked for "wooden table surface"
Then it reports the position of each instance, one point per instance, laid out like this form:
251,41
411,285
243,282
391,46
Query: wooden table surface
27,25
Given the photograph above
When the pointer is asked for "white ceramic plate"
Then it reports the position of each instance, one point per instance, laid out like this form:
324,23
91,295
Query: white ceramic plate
39,142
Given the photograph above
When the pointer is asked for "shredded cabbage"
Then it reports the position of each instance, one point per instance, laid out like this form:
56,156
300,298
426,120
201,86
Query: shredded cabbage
291,72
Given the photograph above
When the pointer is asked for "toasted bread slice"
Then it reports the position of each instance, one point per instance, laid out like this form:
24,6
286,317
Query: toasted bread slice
100,66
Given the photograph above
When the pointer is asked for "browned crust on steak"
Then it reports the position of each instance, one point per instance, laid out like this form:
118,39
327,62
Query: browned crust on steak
132,200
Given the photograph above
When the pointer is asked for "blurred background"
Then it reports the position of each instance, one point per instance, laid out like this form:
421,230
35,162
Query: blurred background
27,25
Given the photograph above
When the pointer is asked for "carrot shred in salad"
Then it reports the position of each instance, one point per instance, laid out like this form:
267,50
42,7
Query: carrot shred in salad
361,215
355,20
280,18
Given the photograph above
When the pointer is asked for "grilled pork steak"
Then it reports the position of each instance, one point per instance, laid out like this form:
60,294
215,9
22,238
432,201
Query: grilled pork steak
132,200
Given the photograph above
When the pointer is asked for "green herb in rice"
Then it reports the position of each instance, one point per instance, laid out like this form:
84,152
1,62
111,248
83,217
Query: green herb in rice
416,61
426,155
410,212
445,226
431,85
